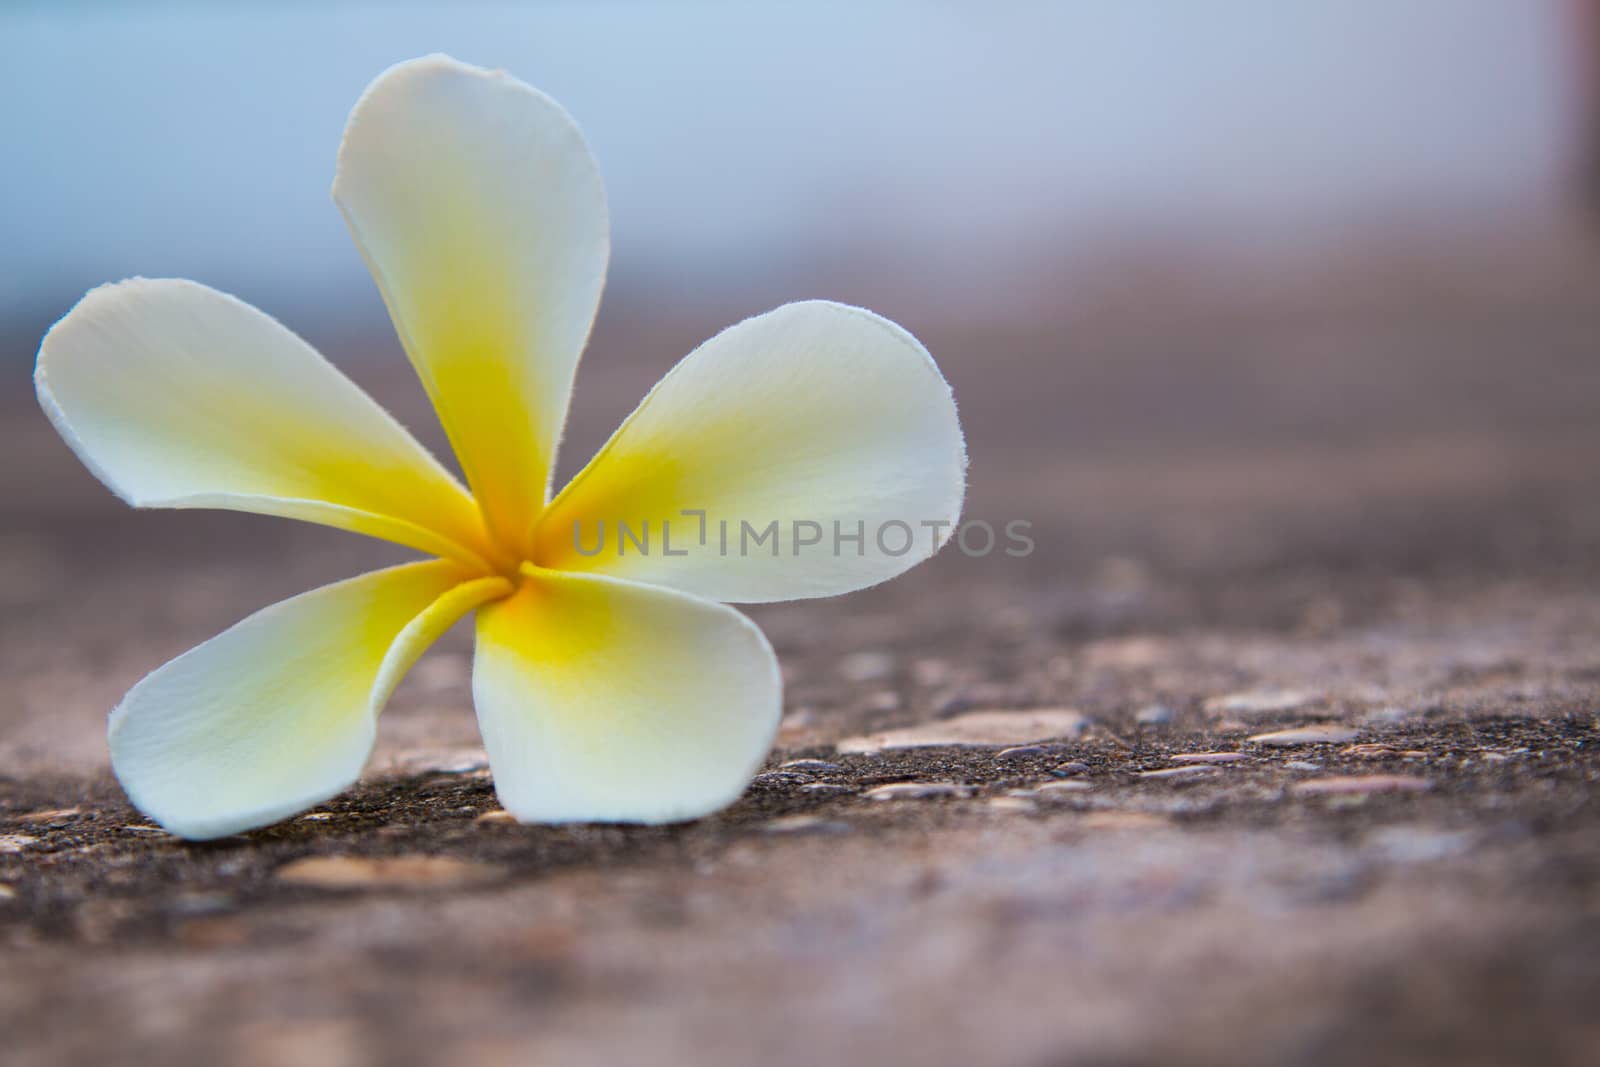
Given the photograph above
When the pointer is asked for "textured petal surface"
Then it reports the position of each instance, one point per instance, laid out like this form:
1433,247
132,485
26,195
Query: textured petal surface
176,395
604,701
480,213
278,713
793,431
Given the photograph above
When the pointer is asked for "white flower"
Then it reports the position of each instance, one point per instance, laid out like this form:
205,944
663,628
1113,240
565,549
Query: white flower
608,686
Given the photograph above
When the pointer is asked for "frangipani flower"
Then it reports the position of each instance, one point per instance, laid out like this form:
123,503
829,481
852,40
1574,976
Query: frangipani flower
609,686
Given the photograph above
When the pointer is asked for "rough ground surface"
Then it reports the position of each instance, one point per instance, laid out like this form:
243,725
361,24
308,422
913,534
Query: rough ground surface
1378,513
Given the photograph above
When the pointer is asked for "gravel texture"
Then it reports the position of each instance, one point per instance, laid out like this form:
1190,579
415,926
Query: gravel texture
1318,578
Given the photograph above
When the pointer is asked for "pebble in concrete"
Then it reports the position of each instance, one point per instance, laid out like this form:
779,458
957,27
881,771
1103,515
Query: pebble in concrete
385,872
916,791
826,789
1049,788
1192,770
1306,735
49,818
977,729
805,824
808,766
780,778
1021,752
1122,820
1362,784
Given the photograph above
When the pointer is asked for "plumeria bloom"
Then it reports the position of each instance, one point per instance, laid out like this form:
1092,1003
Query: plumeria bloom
609,686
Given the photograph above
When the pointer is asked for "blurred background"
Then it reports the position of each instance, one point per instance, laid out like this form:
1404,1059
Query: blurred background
1225,290
976,159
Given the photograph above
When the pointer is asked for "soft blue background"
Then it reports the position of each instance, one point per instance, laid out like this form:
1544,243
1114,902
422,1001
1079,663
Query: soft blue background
956,144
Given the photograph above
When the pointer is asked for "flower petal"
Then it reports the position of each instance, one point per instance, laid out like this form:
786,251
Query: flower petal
278,713
605,701
816,414
176,395
481,215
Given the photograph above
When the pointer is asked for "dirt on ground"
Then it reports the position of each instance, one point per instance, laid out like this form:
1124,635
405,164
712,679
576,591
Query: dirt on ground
1319,578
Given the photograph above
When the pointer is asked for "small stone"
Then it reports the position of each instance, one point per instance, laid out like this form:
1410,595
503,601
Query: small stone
1302,765
317,816
780,778
148,831
1155,715
826,789
1306,735
1049,788
976,729
809,766
49,818
805,824
866,666
385,872
1261,702
1121,820
1209,757
1362,784
1015,805
496,817
1179,773
1067,770
6,892
1021,752
12,843
916,791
